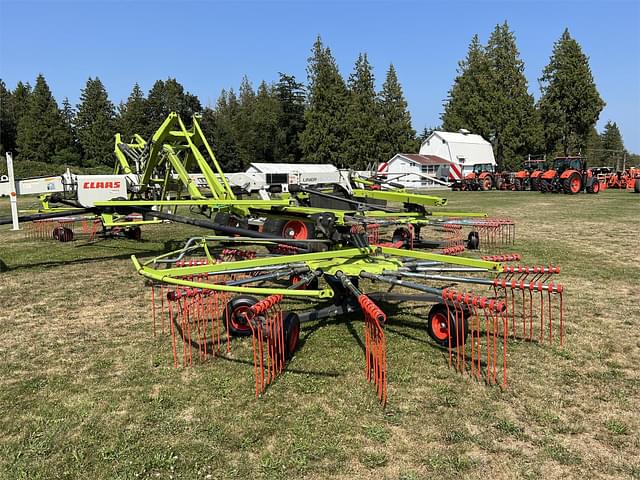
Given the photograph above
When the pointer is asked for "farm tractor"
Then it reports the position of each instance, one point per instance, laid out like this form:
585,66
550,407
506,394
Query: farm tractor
529,177
570,175
483,177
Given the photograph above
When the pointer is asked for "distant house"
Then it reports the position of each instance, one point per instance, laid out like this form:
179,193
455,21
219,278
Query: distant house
415,170
462,149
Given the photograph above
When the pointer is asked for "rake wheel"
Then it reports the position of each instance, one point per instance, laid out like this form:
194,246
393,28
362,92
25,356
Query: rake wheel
473,241
62,234
291,323
451,333
234,312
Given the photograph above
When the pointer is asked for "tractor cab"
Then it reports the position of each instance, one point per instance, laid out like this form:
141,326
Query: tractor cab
483,167
561,164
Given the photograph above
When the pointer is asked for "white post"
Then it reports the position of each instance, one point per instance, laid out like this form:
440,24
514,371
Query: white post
13,194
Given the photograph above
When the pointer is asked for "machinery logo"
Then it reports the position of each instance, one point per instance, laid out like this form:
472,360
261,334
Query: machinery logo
100,185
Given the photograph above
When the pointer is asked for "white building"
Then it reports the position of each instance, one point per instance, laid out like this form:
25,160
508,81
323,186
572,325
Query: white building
415,171
462,149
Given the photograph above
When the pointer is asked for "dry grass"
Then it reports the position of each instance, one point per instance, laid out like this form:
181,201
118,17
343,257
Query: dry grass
86,391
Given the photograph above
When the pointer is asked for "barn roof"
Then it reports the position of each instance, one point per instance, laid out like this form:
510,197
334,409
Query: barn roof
455,137
424,159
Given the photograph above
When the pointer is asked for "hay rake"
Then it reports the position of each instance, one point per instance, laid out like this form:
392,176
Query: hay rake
202,296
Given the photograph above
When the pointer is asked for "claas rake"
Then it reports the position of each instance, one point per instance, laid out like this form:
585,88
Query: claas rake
212,291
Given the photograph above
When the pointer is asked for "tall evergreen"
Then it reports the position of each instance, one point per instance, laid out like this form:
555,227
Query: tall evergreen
570,103
291,123
71,153
611,145
41,131
132,115
218,127
96,124
266,116
468,105
362,121
166,97
325,132
514,126
396,135
244,123
7,123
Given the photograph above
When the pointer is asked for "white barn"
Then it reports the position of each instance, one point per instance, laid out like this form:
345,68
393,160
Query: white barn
462,149
415,171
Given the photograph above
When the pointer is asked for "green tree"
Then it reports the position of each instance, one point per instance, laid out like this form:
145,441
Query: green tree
611,145
7,123
468,105
218,127
166,97
291,123
96,124
71,153
325,131
265,124
397,134
244,123
41,130
514,125
132,115
570,103
361,146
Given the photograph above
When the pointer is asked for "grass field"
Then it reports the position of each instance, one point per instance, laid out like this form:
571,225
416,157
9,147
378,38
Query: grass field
87,392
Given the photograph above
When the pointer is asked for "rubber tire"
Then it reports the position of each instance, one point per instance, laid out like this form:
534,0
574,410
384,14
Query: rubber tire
544,186
636,186
594,187
517,185
276,227
403,235
566,184
460,332
133,233
473,241
62,234
485,180
535,184
291,326
232,305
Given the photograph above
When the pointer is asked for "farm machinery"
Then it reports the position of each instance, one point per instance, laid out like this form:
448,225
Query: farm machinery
483,177
570,175
529,177
306,253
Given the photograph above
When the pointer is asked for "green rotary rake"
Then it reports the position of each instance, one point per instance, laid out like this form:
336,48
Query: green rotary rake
215,285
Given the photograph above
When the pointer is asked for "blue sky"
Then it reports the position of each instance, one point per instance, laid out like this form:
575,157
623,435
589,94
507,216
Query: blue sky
210,45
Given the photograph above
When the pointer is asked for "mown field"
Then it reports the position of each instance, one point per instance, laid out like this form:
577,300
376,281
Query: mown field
86,391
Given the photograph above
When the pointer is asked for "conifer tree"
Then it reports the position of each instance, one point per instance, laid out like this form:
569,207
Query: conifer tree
218,127
265,124
570,103
71,153
41,131
7,122
514,127
397,134
468,105
132,115
325,131
361,147
291,123
96,124
611,145
166,97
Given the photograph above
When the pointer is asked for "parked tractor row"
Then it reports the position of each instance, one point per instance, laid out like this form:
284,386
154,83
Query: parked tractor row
568,175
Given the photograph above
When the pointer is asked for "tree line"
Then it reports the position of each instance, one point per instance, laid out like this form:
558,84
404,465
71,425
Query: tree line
327,120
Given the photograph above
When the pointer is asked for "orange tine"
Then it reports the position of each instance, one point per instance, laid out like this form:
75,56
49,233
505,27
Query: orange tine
256,348
505,334
446,302
173,334
153,307
162,307
541,315
550,316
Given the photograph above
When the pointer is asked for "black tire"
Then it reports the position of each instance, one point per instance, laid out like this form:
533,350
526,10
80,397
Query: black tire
517,185
401,234
486,183
636,186
535,184
133,233
233,312
544,186
570,181
437,326
594,187
62,234
277,227
291,325
473,241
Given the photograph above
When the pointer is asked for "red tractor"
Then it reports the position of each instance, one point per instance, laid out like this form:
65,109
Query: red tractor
569,175
529,177
483,177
